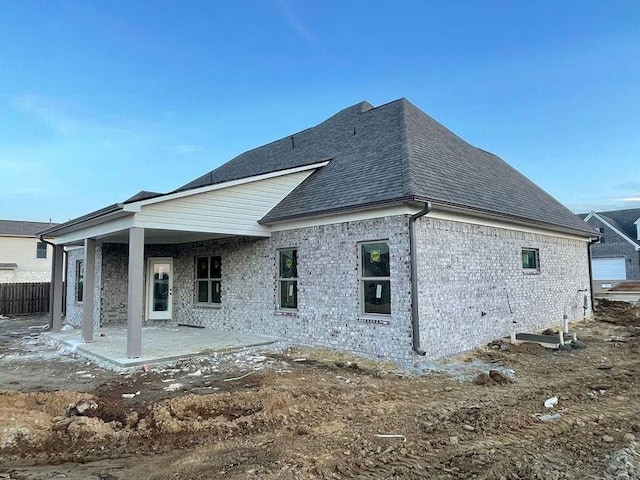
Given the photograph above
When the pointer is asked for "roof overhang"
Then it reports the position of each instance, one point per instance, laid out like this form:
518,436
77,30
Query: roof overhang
112,223
513,219
418,203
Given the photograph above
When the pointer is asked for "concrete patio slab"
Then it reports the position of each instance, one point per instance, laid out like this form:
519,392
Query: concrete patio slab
160,344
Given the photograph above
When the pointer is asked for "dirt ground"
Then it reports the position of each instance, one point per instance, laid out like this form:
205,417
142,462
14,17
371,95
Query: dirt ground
306,414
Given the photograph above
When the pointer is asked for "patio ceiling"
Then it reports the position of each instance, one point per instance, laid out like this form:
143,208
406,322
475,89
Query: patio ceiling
158,236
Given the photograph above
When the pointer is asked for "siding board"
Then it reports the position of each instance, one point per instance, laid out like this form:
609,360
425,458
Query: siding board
233,210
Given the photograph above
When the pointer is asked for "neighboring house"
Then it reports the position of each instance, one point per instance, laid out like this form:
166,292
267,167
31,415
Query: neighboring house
616,256
24,258
377,231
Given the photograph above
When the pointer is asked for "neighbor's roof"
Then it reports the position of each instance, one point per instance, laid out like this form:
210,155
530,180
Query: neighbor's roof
392,153
623,220
22,229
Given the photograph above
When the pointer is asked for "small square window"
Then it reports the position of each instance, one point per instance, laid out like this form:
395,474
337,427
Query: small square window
531,259
41,250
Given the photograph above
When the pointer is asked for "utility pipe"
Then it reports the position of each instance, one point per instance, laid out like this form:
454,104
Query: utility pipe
415,314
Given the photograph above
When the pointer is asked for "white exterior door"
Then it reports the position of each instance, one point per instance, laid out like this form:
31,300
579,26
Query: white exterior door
159,288
608,269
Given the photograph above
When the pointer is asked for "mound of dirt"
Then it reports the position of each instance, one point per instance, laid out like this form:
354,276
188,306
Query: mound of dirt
618,313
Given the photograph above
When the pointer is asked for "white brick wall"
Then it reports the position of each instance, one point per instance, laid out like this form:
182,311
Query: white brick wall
464,270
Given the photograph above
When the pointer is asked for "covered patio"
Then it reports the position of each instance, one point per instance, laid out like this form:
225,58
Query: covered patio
162,344
149,223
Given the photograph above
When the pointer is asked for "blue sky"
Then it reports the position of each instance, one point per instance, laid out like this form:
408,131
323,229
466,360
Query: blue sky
99,100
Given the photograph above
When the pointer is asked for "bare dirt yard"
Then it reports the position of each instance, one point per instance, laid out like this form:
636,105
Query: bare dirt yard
306,414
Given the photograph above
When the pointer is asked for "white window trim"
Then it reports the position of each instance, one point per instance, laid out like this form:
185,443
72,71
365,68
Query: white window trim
280,279
209,279
536,269
362,279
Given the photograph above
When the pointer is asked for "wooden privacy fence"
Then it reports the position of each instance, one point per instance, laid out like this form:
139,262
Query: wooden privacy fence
18,298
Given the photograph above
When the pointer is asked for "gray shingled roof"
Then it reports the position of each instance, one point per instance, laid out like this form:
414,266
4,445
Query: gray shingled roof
392,153
623,220
142,195
24,229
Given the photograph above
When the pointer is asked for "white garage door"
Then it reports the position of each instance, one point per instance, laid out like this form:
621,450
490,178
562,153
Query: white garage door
608,269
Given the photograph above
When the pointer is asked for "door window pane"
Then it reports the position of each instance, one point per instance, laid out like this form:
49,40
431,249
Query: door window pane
160,288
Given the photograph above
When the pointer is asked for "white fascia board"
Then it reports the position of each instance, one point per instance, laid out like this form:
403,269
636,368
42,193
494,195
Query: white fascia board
351,216
588,217
94,231
135,206
621,234
249,230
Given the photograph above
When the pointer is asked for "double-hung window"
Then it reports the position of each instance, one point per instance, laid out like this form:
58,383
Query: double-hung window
288,278
79,281
375,278
209,280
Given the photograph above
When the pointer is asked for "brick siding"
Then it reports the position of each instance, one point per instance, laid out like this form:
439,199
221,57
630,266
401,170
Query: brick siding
464,270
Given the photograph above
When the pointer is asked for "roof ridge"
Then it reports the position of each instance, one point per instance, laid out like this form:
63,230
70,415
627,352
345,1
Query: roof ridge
357,108
617,210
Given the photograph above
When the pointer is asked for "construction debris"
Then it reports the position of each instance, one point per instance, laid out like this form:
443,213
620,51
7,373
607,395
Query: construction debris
551,402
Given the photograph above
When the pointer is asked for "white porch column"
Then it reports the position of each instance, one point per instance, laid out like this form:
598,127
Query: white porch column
135,303
56,291
88,289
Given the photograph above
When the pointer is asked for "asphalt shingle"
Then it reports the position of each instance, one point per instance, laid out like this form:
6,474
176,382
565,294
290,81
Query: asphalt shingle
20,228
623,220
393,152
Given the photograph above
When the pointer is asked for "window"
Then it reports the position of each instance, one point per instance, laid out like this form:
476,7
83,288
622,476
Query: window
288,278
375,278
209,280
41,250
79,281
531,259
601,232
